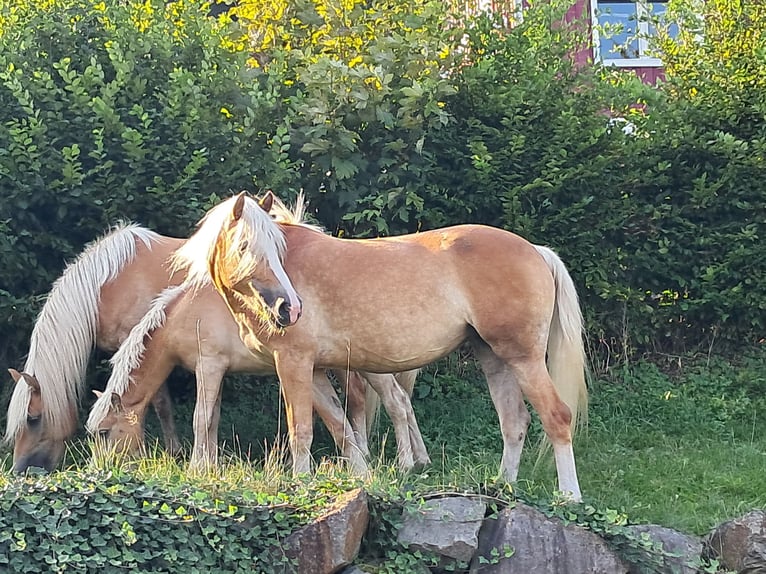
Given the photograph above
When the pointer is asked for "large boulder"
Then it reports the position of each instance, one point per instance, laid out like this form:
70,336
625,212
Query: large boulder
330,543
446,526
522,540
667,550
740,544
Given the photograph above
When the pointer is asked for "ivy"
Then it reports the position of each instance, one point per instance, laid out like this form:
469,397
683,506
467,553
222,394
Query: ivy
107,522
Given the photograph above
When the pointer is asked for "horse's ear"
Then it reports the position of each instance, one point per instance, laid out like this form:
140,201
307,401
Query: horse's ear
116,403
239,206
98,394
266,201
27,378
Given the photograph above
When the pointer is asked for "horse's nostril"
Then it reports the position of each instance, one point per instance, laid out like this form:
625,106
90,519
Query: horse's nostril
283,314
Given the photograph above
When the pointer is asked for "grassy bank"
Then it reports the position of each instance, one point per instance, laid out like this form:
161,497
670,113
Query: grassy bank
678,442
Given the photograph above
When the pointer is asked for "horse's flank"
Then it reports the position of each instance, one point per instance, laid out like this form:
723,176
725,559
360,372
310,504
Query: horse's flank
66,330
128,356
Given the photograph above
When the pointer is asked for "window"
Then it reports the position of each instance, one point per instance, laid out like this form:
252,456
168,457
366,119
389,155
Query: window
622,29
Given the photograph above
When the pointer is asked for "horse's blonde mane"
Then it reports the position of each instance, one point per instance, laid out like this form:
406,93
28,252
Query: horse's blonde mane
65,331
128,356
254,224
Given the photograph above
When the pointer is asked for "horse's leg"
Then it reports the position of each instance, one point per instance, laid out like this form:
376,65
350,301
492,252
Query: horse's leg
356,392
296,382
532,377
207,414
371,409
406,380
163,406
556,418
399,409
509,404
328,408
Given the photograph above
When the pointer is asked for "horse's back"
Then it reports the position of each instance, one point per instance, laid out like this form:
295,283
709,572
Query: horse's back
127,297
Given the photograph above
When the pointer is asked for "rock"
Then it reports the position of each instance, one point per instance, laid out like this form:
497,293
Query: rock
672,552
446,526
332,542
522,540
740,544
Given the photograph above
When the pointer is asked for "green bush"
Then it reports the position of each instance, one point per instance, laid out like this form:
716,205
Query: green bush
118,110
365,85
151,111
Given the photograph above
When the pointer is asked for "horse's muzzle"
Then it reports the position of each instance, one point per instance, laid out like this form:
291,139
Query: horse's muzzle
37,460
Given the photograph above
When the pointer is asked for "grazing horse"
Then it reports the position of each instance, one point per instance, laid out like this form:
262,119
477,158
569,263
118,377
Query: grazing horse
95,303
193,328
397,303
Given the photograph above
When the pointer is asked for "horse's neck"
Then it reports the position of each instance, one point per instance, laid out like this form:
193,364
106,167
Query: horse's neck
155,367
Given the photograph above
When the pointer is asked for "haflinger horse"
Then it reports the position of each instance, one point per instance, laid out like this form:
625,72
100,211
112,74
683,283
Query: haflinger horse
96,302
397,303
192,327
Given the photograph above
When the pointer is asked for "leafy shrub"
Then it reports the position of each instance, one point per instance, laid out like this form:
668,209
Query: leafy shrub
365,85
119,110
151,111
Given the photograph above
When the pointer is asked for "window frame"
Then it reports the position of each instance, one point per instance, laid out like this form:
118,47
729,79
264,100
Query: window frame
642,24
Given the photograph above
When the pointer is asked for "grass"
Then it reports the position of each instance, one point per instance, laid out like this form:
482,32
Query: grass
684,448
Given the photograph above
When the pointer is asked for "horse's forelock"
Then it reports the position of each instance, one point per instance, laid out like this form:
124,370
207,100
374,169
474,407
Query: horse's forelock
256,238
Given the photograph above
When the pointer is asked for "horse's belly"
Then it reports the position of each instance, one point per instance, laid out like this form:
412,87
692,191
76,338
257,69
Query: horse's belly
389,353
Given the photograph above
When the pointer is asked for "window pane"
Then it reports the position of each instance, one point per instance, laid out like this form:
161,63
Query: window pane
617,22
657,11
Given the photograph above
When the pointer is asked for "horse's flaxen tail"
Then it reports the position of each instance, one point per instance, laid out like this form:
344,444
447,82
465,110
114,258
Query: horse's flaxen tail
566,352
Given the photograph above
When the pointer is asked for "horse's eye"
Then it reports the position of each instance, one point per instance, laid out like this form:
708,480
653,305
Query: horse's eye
33,420
103,433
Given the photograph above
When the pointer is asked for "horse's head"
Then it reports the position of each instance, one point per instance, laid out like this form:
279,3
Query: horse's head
245,263
37,440
120,431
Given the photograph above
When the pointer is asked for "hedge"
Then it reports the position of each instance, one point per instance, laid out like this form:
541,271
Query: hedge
151,112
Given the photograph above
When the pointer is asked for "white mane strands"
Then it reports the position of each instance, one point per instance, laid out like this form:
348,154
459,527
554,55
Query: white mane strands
128,356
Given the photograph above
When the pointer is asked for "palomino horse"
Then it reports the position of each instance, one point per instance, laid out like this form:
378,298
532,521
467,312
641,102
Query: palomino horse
95,303
193,328
392,304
